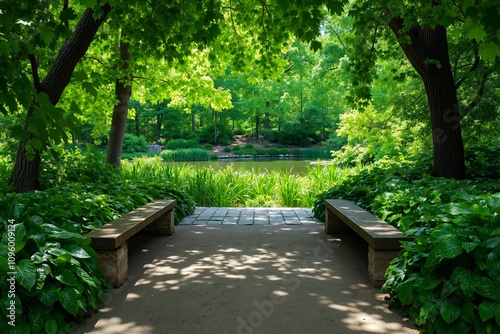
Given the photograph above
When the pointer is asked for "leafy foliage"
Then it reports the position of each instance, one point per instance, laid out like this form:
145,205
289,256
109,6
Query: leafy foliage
192,154
176,144
57,271
134,144
444,278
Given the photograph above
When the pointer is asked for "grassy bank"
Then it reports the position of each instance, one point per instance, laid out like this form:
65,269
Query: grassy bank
226,187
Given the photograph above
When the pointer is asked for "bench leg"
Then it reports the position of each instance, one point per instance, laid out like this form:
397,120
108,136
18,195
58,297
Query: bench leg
114,264
164,225
333,224
378,262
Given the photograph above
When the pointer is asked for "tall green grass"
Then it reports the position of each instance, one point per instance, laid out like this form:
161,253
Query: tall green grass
316,153
193,154
228,188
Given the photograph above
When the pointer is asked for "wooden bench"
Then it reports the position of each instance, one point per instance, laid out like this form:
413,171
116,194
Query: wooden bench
383,239
110,240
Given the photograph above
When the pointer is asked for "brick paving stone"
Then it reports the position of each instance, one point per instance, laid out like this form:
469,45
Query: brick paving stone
200,222
214,222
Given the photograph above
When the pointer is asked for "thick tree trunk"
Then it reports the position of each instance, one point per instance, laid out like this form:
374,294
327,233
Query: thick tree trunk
428,46
26,170
123,91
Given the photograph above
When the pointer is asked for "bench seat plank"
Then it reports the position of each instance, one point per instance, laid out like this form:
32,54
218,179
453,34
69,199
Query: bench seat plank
112,235
376,232
383,240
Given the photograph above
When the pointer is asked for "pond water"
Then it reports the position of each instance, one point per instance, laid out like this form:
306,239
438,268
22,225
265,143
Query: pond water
293,166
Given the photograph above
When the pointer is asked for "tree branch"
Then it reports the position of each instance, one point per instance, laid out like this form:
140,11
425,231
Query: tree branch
34,71
473,67
479,95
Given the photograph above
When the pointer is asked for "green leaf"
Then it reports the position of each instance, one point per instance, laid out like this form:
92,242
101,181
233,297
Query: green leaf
429,282
85,277
89,87
469,246
315,45
489,51
51,326
406,292
69,300
493,202
461,208
467,313
486,287
26,273
488,309
66,277
63,258
49,294
450,312
37,318
450,247
76,251
480,210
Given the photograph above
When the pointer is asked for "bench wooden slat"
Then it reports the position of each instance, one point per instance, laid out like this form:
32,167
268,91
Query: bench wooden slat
376,232
112,235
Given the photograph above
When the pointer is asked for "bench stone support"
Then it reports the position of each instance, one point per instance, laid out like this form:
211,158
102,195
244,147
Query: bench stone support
164,225
334,224
114,264
378,262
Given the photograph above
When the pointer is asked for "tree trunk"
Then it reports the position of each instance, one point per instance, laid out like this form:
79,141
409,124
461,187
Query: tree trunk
428,46
26,170
137,129
158,127
201,121
266,123
257,124
123,91
215,123
193,123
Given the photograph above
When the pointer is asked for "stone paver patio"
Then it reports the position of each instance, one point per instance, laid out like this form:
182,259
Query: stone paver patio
251,216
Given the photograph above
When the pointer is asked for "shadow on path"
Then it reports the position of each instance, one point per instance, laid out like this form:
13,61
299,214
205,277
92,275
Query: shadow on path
246,279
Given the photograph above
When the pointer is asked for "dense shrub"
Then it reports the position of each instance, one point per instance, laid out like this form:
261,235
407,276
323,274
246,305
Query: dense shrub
207,146
227,149
236,147
260,151
248,146
134,144
272,151
213,156
237,152
284,151
176,144
296,151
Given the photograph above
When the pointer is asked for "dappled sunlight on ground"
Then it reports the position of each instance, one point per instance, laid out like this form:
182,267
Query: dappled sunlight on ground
247,279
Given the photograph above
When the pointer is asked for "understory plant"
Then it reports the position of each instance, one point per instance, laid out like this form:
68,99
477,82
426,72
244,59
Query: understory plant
42,238
448,278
